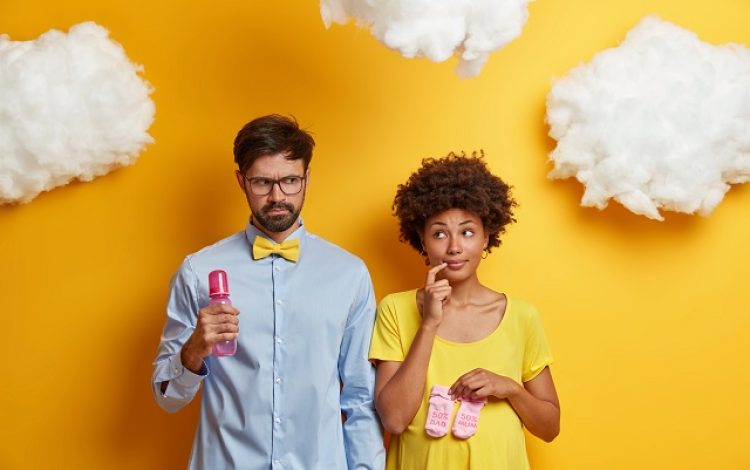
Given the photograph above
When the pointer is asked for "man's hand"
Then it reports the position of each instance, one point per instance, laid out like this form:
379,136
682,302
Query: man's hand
216,322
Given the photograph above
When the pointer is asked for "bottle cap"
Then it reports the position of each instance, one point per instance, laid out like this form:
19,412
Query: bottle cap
218,283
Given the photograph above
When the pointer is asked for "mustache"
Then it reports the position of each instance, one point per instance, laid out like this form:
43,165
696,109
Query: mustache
278,205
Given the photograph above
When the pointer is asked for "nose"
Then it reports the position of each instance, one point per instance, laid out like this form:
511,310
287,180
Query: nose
276,193
454,246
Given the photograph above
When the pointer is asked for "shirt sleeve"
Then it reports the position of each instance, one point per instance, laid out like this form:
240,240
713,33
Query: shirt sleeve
363,438
537,354
182,308
386,339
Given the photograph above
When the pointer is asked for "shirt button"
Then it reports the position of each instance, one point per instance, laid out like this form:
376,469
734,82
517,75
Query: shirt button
279,301
278,340
278,380
277,420
276,268
277,462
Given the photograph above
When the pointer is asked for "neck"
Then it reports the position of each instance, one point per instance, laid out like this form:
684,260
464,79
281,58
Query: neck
464,291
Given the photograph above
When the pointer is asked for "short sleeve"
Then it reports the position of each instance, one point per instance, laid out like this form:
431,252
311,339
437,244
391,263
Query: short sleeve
386,342
537,354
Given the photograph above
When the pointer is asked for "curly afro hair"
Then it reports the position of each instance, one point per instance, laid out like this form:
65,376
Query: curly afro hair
453,182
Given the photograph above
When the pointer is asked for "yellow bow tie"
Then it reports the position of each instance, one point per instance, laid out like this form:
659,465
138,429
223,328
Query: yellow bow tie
288,249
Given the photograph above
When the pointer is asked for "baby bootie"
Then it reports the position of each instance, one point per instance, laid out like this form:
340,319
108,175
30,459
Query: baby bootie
439,411
467,418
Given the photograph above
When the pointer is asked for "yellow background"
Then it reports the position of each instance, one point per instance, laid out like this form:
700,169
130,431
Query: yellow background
648,321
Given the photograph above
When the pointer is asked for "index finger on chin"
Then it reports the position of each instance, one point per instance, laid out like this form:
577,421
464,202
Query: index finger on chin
432,273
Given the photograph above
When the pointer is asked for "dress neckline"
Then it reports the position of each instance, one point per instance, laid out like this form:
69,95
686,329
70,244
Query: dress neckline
480,340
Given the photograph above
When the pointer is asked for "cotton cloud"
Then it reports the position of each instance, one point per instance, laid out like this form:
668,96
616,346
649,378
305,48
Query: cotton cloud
72,106
660,122
436,29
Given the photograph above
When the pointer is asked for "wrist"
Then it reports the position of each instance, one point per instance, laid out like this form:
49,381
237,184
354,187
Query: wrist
515,390
192,362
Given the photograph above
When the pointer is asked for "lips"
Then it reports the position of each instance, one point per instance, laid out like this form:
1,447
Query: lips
454,264
279,209
277,212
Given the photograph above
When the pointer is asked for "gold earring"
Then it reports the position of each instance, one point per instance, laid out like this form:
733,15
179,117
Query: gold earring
485,254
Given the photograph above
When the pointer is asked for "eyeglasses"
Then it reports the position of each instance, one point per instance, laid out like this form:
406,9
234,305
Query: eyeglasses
262,186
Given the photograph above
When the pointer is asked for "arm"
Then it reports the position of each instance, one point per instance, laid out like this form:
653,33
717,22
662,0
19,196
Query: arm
186,340
537,405
535,402
363,438
399,388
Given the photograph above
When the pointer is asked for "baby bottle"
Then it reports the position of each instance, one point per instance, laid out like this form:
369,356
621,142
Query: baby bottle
218,292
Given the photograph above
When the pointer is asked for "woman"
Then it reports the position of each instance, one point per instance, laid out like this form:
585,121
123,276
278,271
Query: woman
461,368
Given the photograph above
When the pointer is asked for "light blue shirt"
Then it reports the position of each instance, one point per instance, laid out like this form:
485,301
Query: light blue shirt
301,359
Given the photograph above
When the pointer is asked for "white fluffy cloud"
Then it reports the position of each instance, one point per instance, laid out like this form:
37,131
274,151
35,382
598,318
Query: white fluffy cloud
72,106
660,122
436,29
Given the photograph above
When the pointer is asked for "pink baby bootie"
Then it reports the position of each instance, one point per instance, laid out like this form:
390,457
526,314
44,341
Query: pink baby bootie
439,411
467,418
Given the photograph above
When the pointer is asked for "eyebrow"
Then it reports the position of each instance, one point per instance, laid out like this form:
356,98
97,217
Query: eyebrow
468,221
270,178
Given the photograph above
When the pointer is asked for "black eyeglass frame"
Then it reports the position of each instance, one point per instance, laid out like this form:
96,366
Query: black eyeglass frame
273,182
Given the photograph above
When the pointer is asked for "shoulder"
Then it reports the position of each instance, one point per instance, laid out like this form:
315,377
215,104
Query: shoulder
320,248
229,243
399,301
522,310
524,315
229,247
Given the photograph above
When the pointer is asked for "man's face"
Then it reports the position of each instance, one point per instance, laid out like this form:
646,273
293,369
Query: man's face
276,211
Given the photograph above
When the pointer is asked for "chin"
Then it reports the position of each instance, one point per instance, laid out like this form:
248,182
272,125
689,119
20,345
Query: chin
458,276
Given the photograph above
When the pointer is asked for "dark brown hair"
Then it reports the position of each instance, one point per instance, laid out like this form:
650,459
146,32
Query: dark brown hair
453,182
269,135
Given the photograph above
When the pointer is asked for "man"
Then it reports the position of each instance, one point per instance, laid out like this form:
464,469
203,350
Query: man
302,338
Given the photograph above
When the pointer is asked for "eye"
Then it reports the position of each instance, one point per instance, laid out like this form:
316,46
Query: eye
468,233
261,181
439,234
290,179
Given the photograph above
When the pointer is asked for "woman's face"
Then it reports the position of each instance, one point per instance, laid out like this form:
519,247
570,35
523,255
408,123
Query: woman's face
455,237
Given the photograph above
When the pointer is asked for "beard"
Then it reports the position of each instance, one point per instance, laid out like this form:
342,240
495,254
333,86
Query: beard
277,223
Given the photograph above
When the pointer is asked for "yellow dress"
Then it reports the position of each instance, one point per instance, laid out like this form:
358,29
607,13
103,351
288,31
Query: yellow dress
517,349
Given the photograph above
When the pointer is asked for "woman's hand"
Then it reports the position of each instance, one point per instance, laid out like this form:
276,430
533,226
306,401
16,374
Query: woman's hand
435,295
481,383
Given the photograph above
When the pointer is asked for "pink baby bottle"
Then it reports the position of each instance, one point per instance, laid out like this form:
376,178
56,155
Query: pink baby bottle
218,292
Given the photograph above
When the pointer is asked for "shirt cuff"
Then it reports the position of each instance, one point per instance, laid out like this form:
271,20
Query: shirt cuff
185,376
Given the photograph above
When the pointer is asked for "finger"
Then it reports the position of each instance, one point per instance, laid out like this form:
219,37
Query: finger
217,308
218,319
219,337
457,389
459,381
471,373
480,393
470,382
432,273
440,292
441,283
222,328
475,383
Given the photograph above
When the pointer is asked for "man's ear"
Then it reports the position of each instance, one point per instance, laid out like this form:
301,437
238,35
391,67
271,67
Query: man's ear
240,179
